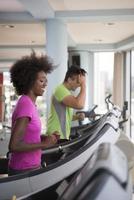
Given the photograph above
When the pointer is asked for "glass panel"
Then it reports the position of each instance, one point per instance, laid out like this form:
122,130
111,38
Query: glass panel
132,95
10,102
103,76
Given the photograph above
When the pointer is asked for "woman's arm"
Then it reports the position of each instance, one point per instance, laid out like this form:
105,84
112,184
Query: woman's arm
17,144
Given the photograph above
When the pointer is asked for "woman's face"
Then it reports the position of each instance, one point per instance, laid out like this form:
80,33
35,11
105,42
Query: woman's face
40,84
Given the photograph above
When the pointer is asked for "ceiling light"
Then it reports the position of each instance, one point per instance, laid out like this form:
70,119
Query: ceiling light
10,26
98,40
110,24
7,26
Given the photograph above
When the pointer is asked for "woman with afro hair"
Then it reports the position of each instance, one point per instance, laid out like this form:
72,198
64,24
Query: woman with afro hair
29,78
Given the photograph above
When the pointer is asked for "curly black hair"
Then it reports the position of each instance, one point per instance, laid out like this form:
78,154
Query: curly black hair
74,70
23,73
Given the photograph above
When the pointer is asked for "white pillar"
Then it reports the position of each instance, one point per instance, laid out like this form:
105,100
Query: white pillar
56,48
128,95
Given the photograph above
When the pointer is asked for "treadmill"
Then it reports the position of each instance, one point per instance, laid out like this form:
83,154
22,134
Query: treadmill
105,176
72,156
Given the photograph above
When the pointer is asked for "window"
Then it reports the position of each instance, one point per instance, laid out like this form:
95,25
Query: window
103,78
132,95
10,102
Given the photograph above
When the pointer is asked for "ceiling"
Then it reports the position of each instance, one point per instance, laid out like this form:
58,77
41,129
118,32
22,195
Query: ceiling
92,24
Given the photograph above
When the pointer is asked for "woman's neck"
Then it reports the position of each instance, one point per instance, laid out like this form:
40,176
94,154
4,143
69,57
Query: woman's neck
32,96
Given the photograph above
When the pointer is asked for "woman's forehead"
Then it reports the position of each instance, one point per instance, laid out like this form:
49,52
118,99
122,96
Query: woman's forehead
41,74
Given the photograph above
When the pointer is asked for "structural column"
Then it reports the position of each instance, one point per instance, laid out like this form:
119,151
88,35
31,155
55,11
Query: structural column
2,100
56,48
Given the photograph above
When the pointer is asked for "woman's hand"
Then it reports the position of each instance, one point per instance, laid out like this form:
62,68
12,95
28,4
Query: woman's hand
56,134
49,140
